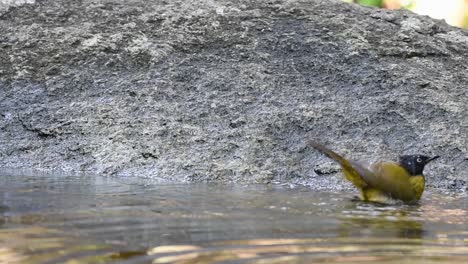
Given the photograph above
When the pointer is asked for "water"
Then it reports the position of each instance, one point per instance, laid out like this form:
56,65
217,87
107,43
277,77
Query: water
88,219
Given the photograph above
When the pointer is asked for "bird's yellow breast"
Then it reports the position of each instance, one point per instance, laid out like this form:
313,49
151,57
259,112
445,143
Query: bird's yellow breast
417,183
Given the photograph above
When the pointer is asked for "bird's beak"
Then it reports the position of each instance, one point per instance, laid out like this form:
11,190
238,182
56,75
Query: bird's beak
431,159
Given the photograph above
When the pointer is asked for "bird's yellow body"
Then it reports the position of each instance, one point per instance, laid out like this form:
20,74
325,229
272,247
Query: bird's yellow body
384,182
392,182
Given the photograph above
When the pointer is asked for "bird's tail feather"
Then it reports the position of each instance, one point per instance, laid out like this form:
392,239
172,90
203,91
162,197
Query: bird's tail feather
349,171
330,153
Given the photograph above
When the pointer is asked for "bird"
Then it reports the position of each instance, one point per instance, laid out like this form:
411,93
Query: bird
385,182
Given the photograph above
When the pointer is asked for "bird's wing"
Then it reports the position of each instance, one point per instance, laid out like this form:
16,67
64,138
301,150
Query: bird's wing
391,178
365,173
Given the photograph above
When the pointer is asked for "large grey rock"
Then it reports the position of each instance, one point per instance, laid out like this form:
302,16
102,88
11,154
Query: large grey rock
229,90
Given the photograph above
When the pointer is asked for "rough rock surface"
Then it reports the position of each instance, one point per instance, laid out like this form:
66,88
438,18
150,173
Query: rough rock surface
229,90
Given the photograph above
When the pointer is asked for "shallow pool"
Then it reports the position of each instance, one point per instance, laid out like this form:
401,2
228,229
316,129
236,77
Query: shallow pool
46,218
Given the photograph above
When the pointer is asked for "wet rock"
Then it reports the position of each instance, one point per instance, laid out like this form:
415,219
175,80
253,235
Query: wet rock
229,90
326,168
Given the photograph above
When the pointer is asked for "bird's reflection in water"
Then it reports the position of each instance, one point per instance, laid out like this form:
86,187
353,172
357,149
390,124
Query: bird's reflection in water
378,220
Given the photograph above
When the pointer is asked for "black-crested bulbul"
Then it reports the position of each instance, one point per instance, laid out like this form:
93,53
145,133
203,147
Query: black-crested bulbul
384,181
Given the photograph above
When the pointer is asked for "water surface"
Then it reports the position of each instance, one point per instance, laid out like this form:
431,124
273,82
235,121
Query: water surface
92,219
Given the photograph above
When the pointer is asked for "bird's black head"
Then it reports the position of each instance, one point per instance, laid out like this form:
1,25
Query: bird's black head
414,164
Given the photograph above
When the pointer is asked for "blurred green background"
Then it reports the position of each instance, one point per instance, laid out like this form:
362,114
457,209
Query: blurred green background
454,12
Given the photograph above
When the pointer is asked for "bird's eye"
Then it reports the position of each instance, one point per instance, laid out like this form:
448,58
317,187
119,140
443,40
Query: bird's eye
418,160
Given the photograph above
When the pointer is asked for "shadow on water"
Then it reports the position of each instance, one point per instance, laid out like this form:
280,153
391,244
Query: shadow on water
84,219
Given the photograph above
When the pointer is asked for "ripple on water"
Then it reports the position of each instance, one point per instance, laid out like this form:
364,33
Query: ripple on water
101,220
